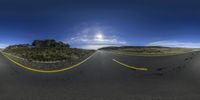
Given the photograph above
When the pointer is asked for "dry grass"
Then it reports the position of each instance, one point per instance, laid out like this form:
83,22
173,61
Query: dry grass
152,51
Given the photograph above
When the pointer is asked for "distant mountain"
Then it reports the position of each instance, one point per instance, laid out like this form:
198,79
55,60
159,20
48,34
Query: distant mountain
126,47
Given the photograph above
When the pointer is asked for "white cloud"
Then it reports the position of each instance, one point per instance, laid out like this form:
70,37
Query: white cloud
2,45
91,42
175,44
94,46
94,38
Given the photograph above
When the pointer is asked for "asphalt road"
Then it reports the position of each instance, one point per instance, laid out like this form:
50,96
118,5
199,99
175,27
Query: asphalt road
100,78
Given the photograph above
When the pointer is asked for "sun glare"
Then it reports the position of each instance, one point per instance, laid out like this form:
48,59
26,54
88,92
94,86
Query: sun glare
99,36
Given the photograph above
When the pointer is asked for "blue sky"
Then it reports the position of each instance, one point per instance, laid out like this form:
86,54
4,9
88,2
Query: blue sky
172,23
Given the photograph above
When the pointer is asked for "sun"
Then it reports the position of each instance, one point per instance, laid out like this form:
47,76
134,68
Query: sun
99,36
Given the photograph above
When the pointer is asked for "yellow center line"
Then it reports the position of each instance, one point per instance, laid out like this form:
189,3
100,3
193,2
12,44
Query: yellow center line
47,71
132,67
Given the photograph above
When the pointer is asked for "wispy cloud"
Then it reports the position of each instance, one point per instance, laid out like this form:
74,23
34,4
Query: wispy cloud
88,38
175,44
94,46
91,42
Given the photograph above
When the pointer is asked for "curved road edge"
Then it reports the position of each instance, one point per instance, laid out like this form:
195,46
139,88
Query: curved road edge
46,71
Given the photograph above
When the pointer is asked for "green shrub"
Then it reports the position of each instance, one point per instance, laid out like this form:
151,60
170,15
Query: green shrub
46,50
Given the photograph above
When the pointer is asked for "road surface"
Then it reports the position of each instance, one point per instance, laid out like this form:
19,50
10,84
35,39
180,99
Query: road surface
100,78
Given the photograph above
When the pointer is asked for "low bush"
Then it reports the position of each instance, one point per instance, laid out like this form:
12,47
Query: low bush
47,51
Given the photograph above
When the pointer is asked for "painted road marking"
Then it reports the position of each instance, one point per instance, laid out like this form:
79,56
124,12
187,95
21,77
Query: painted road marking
46,71
132,67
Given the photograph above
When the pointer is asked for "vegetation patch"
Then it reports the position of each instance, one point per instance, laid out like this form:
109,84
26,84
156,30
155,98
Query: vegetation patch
47,54
147,50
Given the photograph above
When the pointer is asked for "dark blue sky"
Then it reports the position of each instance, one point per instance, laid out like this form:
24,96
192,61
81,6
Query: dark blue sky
131,22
